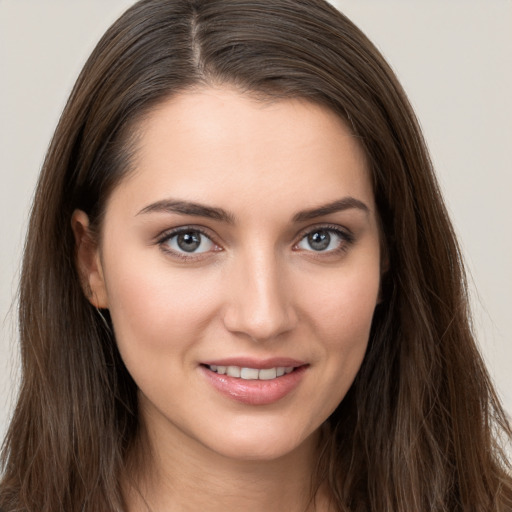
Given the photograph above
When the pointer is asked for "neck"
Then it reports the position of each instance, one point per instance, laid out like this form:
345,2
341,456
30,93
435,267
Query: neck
174,473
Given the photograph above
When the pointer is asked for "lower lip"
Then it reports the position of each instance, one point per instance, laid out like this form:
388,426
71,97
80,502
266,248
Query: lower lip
255,392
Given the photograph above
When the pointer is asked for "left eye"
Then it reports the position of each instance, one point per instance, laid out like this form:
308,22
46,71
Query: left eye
321,240
190,241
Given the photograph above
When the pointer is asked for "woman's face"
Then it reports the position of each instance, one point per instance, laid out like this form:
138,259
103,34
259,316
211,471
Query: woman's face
240,263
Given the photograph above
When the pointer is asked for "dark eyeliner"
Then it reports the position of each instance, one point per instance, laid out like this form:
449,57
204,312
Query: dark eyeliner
347,238
165,236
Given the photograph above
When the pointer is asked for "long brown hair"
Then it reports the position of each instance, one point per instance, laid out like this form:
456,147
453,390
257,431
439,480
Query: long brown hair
420,427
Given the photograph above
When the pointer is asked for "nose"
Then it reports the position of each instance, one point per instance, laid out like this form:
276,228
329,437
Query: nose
259,302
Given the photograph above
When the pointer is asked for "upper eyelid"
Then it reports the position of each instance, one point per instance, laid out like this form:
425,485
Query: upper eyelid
169,233
327,227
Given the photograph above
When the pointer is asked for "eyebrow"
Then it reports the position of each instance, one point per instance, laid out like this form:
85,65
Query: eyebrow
340,205
189,208
215,213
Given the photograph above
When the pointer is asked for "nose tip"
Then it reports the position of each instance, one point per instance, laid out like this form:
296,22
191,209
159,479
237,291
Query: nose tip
259,327
259,306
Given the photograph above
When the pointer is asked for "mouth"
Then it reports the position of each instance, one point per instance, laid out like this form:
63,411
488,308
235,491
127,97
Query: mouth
255,382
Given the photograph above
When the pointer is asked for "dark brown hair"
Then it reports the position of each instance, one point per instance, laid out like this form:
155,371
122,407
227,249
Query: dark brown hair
419,429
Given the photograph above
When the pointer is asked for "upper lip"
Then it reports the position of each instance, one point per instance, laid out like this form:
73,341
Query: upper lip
251,362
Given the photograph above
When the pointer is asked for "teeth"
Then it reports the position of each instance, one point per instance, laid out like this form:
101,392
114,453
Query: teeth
268,374
251,373
233,371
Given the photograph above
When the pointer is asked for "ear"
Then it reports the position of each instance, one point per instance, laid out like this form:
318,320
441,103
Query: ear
88,261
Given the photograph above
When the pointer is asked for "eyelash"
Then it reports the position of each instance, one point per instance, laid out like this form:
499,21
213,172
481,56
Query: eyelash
164,238
347,239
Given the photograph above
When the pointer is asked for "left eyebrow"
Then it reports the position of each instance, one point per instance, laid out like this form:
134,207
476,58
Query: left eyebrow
340,205
189,208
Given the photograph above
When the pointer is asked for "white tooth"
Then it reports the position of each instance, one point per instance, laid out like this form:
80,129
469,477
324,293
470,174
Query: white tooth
288,369
268,374
279,371
233,371
221,370
249,373
213,367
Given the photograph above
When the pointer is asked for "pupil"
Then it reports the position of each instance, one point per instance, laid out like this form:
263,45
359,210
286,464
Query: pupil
189,242
319,240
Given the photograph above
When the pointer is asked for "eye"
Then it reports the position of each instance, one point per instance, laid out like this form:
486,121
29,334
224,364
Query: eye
324,240
187,241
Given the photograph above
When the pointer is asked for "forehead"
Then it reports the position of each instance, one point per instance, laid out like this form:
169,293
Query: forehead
219,146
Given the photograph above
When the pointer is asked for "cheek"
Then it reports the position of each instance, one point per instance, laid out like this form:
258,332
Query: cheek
344,303
156,309
341,314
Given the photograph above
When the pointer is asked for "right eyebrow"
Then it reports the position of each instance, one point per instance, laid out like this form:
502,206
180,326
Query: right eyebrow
189,208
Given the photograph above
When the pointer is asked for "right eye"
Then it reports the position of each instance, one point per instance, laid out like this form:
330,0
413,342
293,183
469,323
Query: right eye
184,242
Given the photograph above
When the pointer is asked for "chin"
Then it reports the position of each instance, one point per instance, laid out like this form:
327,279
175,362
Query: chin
264,446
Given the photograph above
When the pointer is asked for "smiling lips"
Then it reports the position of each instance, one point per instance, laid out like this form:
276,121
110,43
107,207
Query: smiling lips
255,383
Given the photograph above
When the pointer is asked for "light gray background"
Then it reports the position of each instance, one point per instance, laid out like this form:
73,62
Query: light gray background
454,59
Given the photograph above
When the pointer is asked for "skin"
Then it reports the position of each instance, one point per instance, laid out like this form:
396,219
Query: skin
256,288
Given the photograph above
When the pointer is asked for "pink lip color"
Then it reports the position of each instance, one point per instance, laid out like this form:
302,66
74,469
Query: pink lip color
255,392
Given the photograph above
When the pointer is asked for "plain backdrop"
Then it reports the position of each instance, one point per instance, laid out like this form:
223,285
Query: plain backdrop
453,58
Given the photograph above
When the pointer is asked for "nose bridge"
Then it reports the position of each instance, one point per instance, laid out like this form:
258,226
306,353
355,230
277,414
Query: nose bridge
259,300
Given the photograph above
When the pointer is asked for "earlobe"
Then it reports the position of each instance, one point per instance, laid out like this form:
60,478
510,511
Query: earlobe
88,262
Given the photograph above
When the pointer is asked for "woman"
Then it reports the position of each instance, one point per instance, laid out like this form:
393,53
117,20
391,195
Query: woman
240,286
